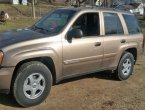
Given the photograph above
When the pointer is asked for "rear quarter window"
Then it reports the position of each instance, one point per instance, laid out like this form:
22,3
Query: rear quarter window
132,24
113,24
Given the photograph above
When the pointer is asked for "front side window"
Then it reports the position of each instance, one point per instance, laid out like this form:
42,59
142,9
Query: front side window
89,23
54,22
132,24
112,24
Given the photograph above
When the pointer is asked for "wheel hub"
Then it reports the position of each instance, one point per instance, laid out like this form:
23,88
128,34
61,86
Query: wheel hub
34,86
126,67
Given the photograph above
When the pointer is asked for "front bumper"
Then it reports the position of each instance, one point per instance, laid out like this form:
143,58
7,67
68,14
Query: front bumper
5,79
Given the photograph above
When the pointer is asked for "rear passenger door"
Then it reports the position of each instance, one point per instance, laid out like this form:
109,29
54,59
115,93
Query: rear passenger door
113,38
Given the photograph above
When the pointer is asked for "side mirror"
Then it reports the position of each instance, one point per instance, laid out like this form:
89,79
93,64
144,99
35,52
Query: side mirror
75,33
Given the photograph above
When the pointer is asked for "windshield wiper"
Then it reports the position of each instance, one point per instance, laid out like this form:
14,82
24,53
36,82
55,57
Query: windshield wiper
36,27
41,28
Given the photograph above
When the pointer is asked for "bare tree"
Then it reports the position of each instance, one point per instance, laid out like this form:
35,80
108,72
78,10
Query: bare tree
33,9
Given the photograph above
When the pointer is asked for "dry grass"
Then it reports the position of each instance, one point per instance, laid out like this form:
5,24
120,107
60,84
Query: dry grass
18,20
8,8
21,15
17,23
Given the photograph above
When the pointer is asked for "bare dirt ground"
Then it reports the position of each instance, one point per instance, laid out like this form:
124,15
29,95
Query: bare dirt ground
98,91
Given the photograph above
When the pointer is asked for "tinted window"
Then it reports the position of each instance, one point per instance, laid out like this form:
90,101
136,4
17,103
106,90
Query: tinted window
89,23
112,24
132,24
54,22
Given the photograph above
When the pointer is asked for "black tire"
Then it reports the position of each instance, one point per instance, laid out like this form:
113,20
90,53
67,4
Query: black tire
23,73
119,72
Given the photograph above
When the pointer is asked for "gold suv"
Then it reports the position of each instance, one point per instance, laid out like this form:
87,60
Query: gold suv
67,43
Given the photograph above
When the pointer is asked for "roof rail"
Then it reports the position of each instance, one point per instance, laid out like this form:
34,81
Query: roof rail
102,7
105,6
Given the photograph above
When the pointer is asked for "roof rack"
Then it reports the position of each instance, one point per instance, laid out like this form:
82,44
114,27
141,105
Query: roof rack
104,6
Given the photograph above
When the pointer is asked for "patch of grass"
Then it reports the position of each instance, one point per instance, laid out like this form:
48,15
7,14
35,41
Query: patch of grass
17,23
27,10
24,19
9,9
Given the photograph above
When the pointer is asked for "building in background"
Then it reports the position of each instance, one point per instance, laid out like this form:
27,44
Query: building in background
24,2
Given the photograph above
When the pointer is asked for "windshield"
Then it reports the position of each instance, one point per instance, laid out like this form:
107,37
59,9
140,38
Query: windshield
54,22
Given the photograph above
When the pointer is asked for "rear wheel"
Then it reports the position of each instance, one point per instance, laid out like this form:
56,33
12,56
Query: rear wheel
32,84
125,67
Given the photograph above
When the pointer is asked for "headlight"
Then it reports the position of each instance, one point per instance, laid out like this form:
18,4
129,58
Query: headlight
1,57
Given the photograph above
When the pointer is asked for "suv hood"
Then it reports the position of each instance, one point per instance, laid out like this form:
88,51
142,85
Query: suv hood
19,35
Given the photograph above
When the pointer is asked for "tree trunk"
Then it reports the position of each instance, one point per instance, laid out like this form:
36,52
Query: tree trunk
144,14
33,9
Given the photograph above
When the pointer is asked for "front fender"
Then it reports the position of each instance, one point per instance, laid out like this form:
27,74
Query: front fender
27,50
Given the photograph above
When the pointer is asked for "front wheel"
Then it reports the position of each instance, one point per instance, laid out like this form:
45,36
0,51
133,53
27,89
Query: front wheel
32,84
125,67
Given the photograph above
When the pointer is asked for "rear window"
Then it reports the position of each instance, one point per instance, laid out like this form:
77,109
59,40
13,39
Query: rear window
132,24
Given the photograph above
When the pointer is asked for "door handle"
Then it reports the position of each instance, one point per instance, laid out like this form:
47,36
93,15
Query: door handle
123,41
97,44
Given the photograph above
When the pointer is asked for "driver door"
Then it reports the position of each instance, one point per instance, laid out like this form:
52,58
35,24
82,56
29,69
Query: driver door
83,55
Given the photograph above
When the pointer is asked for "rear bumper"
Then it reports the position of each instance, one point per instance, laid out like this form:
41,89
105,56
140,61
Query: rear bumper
5,79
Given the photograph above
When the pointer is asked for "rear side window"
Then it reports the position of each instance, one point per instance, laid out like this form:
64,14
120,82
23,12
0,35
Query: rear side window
112,24
132,24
